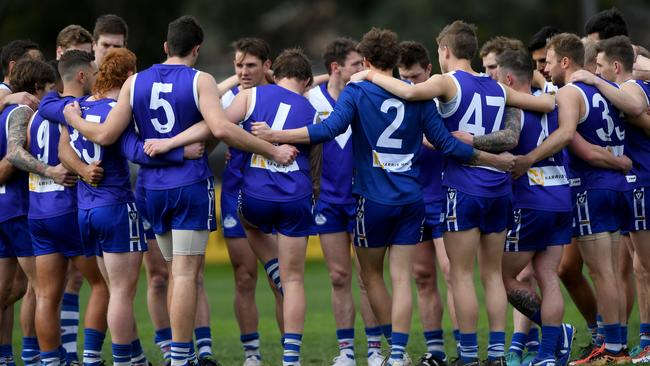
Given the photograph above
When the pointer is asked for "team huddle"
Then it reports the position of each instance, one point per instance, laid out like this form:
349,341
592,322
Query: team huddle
528,170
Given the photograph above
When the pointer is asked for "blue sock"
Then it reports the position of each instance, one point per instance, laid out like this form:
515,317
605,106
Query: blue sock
517,343
532,340
387,331
137,354
612,337
373,336
62,355
121,354
345,338
435,343
537,317
31,353
600,337
272,268
468,347
550,337
496,345
192,356
644,335
180,353
203,341
593,329
251,344
398,347
163,340
93,342
70,325
51,358
291,354
457,339
7,352
624,336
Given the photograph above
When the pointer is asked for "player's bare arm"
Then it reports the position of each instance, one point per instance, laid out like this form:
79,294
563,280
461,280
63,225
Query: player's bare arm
627,98
543,103
599,156
6,170
25,98
435,86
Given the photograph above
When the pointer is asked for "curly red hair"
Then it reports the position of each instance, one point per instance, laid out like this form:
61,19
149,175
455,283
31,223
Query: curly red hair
117,66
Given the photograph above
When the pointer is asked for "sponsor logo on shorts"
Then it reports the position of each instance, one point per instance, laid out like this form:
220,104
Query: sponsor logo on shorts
146,224
229,222
320,219
638,194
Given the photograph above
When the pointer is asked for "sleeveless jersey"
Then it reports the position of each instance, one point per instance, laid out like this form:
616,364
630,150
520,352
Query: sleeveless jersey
637,143
231,180
14,197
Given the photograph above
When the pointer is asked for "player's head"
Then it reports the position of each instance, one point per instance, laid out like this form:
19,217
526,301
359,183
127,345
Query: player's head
379,49
590,54
457,40
492,48
118,65
414,63
564,52
16,50
58,83
184,38
252,61
73,37
615,56
110,31
293,64
78,67
33,76
342,59
515,68
606,24
537,47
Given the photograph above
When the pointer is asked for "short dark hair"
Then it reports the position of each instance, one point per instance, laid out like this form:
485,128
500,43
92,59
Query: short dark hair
591,51
253,46
337,51
380,48
412,53
608,23
618,48
73,34
110,24
55,66
14,51
460,38
71,61
183,34
30,75
499,44
540,39
568,45
292,63
517,62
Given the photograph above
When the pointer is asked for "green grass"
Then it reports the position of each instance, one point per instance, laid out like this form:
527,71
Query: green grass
319,343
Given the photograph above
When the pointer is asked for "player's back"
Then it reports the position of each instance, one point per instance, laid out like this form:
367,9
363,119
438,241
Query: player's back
478,108
283,110
165,102
637,143
14,197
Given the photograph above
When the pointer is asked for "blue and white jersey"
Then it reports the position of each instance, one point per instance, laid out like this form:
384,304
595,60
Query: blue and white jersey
431,163
386,139
14,196
165,102
231,180
601,125
47,198
477,108
265,179
336,177
5,86
545,186
637,143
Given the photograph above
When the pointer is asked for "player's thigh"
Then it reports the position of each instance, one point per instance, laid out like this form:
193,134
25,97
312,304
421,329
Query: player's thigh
292,252
424,262
336,249
462,248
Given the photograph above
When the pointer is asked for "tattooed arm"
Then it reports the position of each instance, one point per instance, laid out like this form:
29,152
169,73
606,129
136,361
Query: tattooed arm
505,139
6,170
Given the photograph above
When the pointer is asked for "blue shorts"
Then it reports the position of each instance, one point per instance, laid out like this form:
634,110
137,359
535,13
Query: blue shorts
598,211
464,212
636,202
112,229
232,227
141,205
58,234
14,238
184,208
333,218
534,230
293,218
379,226
434,217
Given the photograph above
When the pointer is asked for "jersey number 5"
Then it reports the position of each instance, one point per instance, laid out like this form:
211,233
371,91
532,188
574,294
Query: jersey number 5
157,102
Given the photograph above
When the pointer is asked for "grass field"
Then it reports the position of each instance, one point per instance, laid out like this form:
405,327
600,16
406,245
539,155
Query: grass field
319,343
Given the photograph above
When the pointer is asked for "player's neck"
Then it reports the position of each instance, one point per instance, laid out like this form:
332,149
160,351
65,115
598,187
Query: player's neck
623,77
112,94
292,85
73,90
569,72
522,87
380,71
461,64
335,85
175,60
6,80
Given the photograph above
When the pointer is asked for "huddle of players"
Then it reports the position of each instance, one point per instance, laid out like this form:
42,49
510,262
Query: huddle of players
363,130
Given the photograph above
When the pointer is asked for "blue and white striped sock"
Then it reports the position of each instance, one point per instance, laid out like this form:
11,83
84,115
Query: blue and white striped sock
532,340
593,329
644,335
517,343
7,352
163,340
600,336
93,342
70,325
251,344
180,353
398,347
387,331
624,336
51,358
457,339
272,268
612,337
31,352
496,345
435,343
345,338
137,354
468,347
62,355
203,341
121,354
373,336
292,344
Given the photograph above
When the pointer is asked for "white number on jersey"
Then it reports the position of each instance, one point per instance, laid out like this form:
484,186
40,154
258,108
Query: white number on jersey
84,153
157,102
43,141
384,139
474,113
606,134
544,133
281,116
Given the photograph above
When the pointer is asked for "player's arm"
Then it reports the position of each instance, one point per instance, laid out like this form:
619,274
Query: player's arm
90,173
198,133
543,103
6,170
132,148
498,141
316,163
641,68
435,86
598,156
51,107
225,85
108,132
7,98
626,98
319,79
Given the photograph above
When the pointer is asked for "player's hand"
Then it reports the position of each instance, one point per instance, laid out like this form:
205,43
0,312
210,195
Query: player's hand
71,111
262,130
285,154
61,175
505,161
521,166
153,147
625,163
584,76
194,151
360,76
22,98
227,155
465,137
93,173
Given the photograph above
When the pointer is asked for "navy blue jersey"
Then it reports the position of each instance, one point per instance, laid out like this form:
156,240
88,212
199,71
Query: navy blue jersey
637,143
231,179
263,178
14,196
386,139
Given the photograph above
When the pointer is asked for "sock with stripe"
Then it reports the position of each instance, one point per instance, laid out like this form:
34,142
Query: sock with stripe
93,342
7,352
532,340
62,355
70,325
180,353
387,331
457,339
251,344
600,336
138,357
398,346
121,354
272,268
612,337
593,329
435,343
292,344
163,340
31,352
373,336
203,341
468,347
624,335
644,335
496,345
345,338
517,343
192,356
51,358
